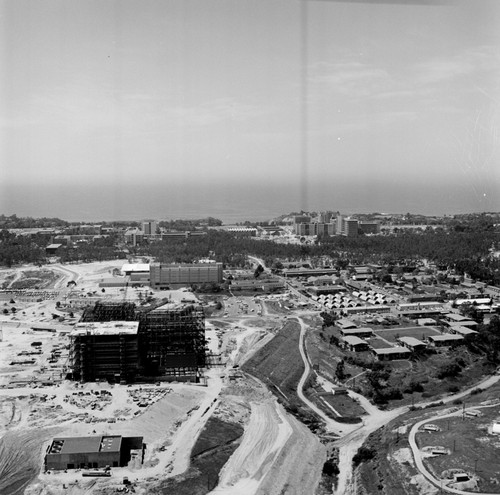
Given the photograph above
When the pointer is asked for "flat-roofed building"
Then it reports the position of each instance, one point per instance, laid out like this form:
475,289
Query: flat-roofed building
355,344
359,309
104,350
133,236
412,343
392,353
90,452
344,324
243,231
326,289
445,340
454,317
463,323
149,227
308,272
370,227
351,226
53,249
357,332
463,331
130,268
171,276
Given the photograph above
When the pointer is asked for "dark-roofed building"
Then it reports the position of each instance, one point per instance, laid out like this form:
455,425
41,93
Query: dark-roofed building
355,344
90,452
53,249
445,340
392,353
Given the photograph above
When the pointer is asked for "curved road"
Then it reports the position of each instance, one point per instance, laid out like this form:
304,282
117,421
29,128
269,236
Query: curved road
331,425
418,457
354,436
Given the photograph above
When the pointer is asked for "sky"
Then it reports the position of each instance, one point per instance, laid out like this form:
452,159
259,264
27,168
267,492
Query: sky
320,100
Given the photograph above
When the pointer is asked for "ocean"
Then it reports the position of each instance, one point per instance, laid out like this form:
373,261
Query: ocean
234,203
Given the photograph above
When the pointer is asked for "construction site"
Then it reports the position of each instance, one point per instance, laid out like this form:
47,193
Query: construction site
118,342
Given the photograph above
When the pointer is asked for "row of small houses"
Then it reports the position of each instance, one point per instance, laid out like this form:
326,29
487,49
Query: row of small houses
353,340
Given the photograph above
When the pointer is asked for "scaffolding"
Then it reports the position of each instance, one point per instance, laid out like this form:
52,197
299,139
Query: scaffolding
110,311
104,351
172,341
169,343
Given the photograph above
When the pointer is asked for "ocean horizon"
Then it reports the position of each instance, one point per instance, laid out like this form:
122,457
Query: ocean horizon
233,203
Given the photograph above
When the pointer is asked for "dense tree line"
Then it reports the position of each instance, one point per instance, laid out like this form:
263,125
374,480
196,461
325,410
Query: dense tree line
189,225
15,249
464,246
15,222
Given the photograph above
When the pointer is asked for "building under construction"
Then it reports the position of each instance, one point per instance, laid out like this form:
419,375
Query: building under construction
105,351
118,342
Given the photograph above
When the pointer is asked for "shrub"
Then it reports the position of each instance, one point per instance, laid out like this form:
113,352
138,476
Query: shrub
330,468
363,454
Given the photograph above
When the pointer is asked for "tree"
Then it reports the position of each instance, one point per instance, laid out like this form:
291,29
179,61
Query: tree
340,370
471,311
258,271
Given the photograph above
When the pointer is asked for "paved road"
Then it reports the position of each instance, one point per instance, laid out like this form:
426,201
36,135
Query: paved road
418,457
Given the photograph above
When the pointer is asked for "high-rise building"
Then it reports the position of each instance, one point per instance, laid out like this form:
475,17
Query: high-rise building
350,227
149,227
325,217
339,228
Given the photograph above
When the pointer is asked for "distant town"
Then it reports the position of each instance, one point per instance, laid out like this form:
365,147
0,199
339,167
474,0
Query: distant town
185,356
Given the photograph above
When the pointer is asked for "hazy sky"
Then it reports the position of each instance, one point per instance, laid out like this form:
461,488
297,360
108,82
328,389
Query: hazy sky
142,91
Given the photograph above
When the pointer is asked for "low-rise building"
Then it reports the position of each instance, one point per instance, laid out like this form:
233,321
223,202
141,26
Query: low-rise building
90,452
355,344
357,332
412,343
173,276
445,340
463,331
392,353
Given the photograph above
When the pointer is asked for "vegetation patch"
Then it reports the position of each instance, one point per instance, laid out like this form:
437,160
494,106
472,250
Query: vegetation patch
217,442
279,363
34,279
472,449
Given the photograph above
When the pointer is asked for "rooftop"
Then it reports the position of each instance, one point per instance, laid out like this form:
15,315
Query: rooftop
392,350
411,341
106,328
353,340
135,267
445,337
82,445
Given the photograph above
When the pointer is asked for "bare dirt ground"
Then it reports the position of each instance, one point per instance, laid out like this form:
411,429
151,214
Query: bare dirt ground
277,454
